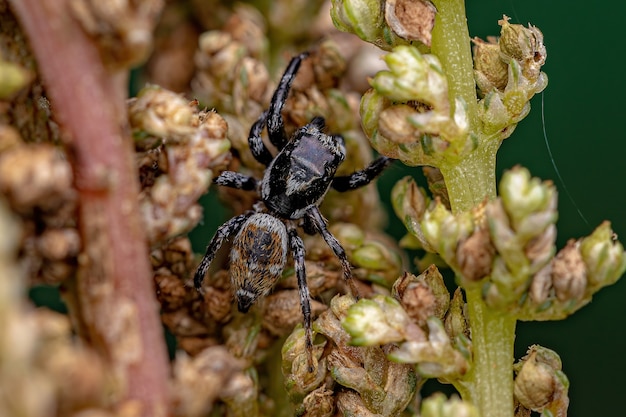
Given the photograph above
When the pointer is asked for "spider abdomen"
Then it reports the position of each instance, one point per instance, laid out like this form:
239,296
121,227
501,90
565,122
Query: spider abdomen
257,258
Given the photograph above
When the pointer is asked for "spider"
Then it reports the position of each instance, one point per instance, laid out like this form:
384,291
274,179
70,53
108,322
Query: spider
292,188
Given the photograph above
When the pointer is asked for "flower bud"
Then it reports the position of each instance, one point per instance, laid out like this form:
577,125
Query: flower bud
422,296
411,19
475,255
525,45
365,19
377,321
435,358
12,79
603,256
569,275
490,70
409,203
456,323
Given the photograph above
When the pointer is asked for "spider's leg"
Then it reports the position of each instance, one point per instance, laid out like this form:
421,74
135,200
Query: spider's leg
362,177
275,123
224,231
257,147
320,225
236,180
297,249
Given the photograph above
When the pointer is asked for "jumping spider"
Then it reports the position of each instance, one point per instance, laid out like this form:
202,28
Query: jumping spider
291,190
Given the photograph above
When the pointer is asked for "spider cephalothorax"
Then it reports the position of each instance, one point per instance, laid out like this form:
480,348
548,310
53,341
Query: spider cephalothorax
291,190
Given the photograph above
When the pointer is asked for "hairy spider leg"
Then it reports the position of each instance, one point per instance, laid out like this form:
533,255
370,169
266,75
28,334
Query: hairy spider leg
319,223
255,141
234,179
298,253
362,177
275,123
224,231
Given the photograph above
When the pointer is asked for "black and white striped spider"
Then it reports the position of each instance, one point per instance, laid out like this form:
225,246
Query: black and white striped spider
292,188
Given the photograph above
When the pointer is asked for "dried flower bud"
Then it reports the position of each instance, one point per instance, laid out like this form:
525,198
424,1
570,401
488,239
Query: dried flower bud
422,296
435,358
365,19
282,311
123,29
295,366
540,385
491,71
475,255
525,45
199,381
437,185
456,323
36,176
410,203
438,406
411,19
569,274
318,403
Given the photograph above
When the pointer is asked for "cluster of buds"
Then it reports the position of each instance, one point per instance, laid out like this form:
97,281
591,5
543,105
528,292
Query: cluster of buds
37,181
348,380
396,22
507,246
179,148
389,344
123,30
409,115
41,367
508,74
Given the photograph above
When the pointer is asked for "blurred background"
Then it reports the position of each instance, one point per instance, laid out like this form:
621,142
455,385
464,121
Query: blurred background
582,113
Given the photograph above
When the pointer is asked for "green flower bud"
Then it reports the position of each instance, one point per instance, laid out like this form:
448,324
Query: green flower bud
412,76
12,79
540,385
438,406
603,256
377,321
523,196
365,19
443,231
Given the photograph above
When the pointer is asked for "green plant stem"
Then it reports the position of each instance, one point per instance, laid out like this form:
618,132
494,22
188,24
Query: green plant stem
450,42
470,180
489,383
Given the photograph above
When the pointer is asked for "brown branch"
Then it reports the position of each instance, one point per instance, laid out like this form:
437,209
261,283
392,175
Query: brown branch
115,298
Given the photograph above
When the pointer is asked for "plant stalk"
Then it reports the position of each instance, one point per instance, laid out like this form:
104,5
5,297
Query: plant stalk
470,181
